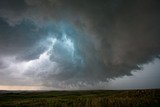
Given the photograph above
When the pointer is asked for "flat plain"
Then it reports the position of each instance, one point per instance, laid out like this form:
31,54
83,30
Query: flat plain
85,98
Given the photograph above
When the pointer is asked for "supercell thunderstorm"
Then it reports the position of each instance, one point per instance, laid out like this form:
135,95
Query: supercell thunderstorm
76,44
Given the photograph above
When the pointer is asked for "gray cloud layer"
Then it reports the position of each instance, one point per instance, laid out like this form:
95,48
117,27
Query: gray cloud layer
110,38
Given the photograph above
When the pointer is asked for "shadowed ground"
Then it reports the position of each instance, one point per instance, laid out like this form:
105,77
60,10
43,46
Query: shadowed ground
95,98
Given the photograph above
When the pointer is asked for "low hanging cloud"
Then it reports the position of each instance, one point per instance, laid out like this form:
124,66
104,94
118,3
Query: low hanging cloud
76,43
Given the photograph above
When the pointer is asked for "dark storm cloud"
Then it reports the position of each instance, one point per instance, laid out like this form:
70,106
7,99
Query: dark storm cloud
111,37
19,39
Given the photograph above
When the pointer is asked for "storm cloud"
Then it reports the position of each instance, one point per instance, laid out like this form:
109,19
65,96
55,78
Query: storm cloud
76,43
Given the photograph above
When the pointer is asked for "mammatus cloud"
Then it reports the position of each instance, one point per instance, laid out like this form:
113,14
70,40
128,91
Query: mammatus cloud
76,43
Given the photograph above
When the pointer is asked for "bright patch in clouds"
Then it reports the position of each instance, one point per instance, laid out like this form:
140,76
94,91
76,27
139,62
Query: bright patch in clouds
28,71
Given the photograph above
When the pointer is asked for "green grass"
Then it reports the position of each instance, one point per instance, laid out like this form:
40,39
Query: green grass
98,98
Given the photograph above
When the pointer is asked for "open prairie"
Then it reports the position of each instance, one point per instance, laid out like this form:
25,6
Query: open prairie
93,98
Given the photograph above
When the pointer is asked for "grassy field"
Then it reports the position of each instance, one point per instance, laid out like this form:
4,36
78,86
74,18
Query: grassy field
97,98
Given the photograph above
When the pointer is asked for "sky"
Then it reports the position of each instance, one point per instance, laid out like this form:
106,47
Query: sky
79,44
